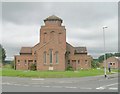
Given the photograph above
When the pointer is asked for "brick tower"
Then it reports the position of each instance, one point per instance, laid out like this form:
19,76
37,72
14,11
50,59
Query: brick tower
51,54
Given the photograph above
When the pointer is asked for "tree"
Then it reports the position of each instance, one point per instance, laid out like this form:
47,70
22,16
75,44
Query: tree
95,63
101,58
2,54
117,54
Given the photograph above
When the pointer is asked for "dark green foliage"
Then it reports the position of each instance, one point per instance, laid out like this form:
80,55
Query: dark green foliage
33,67
101,58
2,54
69,68
117,54
95,63
12,64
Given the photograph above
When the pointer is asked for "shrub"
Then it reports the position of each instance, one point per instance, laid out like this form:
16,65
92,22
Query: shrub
69,68
33,67
12,64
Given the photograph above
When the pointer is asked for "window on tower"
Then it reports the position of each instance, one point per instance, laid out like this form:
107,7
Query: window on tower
59,37
52,34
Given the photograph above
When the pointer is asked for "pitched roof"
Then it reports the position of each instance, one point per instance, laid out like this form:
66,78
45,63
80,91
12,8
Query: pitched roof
53,17
79,50
118,58
67,44
27,50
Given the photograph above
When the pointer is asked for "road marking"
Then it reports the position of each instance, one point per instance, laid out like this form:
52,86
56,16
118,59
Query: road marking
110,85
45,86
70,87
85,88
103,87
57,86
6,83
113,88
17,84
38,79
64,82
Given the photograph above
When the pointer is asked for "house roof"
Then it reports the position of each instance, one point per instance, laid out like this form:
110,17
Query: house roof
27,50
67,44
53,17
79,50
117,58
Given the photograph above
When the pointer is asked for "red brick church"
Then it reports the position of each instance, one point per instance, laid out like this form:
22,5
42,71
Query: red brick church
53,52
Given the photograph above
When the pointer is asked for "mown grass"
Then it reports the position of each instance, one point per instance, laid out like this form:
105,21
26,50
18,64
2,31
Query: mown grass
52,74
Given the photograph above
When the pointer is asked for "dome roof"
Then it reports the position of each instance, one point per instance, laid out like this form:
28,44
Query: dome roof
53,17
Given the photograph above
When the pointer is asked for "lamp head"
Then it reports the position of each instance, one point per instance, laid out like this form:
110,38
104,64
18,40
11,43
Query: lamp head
105,27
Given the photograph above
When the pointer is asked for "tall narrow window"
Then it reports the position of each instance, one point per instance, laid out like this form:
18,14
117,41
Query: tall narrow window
59,37
44,39
57,58
50,55
44,57
52,35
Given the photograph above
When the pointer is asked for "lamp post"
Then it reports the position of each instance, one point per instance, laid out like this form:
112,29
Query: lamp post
104,50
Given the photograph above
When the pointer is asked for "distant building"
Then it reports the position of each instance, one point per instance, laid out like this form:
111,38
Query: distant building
114,62
53,52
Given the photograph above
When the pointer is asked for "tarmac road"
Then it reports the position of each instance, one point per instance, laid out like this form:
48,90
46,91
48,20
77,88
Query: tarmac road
83,84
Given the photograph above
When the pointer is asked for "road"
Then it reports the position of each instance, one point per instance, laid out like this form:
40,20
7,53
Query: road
83,84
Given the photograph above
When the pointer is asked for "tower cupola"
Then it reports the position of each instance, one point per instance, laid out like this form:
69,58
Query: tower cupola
53,21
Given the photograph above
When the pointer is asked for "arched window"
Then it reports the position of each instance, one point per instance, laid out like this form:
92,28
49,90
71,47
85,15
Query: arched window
52,35
59,37
44,57
57,58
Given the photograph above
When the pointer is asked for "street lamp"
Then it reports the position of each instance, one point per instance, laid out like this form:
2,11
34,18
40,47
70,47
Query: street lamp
104,51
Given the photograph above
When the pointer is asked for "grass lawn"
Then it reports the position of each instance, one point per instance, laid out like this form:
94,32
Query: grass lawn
52,74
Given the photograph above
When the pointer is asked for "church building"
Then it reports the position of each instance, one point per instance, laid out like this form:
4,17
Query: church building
53,52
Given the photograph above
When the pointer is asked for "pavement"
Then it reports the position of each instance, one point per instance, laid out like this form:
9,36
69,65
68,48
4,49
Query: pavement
82,84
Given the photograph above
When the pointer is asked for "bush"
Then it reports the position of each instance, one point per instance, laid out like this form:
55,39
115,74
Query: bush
7,66
33,67
69,68
12,64
95,64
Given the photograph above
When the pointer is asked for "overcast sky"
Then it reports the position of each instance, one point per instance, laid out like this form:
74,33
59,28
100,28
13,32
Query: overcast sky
83,21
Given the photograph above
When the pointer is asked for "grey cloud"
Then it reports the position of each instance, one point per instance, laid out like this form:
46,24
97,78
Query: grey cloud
83,21
81,14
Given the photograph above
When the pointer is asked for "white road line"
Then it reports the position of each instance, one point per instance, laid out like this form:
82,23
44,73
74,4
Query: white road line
85,88
64,82
17,84
14,84
113,88
70,87
110,85
38,79
6,83
103,87
45,86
